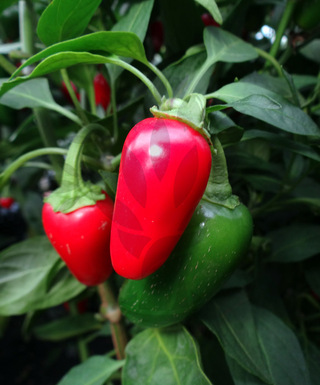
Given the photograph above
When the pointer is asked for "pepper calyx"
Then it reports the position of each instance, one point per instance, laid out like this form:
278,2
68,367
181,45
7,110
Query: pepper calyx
191,110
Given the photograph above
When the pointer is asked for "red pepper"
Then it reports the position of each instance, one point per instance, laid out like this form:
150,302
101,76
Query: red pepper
82,238
164,169
208,20
6,202
77,219
102,91
157,35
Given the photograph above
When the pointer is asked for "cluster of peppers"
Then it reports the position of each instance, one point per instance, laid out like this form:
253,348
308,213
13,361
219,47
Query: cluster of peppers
175,230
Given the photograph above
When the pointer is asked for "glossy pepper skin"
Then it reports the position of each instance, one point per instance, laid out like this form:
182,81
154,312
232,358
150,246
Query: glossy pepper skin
164,170
212,246
82,239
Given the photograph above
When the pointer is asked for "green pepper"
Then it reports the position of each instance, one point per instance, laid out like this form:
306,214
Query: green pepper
212,246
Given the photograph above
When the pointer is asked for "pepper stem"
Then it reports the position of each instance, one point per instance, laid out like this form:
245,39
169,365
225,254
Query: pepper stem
74,191
218,188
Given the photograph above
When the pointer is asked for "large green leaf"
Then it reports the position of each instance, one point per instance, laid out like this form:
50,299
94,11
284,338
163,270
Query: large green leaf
267,106
260,343
136,20
65,19
163,356
58,61
118,43
231,319
32,276
295,243
96,370
222,46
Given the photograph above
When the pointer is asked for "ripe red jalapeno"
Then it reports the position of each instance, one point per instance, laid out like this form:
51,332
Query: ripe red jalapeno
164,170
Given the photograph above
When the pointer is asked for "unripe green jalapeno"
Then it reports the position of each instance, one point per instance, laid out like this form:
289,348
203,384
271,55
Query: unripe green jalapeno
212,246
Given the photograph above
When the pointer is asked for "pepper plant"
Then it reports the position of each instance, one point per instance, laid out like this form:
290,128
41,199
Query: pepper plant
159,192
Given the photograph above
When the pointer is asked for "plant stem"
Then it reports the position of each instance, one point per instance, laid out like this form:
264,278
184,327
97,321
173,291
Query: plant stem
6,174
73,96
23,159
81,344
47,135
155,93
206,65
114,111
26,26
7,65
110,310
270,59
163,79
285,19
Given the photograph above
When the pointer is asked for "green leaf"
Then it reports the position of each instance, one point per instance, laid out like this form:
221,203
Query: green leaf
241,376
117,43
281,349
295,243
65,19
221,46
163,356
260,342
287,117
282,142
35,93
56,62
96,370
67,327
136,21
32,276
231,319
226,47
312,354
311,50
212,7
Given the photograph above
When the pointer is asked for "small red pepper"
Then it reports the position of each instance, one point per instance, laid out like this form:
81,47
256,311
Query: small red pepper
102,91
157,35
6,202
77,220
208,20
164,170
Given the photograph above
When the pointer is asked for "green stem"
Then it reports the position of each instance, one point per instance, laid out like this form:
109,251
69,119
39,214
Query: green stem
7,65
114,111
206,65
71,176
285,19
6,174
65,78
270,59
46,131
110,310
155,93
23,161
218,188
163,79
26,25
81,343
92,99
